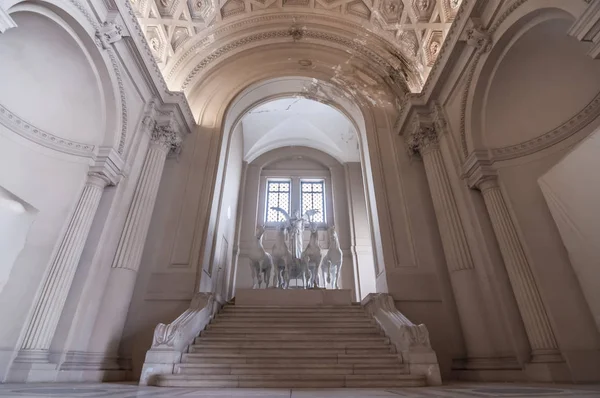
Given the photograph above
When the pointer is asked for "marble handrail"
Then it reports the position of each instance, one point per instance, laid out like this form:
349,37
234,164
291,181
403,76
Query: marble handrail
178,334
171,340
411,341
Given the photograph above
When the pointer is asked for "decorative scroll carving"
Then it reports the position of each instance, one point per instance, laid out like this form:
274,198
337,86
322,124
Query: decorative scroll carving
410,340
178,334
35,134
421,139
407,335
167,138
108,34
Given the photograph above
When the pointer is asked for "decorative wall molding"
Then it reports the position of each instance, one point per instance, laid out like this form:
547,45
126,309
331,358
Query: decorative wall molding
49,140
115,65
552,137
6,22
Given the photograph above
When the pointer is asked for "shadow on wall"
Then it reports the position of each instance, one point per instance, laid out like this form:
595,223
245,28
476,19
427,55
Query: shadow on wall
16,217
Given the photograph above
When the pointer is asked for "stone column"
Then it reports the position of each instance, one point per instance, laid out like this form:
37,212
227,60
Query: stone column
464,280
117,297
57,281
544,347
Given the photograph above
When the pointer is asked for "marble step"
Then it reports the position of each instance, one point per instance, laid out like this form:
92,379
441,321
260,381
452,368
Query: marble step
313,368
290,351
293,310
289,381
292,345
301,339
290,320
277,358
310,329
292,324
291,334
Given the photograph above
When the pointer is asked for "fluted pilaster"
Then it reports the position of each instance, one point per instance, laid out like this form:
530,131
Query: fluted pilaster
454,241
131,244
537,324
57,282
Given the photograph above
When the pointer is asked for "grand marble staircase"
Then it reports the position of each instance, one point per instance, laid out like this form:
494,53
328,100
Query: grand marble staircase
291,347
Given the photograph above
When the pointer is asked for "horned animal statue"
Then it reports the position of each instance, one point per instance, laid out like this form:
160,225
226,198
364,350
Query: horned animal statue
298,268
282,259
311,256
332,262
261,262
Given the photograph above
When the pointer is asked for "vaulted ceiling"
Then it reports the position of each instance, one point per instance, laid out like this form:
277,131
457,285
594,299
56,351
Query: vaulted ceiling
299,122
417,28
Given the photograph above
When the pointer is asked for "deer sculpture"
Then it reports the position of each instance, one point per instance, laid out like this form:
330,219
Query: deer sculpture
332,262
311,257
261,262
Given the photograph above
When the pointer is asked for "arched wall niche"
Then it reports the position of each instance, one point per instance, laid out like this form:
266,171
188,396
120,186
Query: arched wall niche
526,138
61,105
313,163
225,94
527,16
78,63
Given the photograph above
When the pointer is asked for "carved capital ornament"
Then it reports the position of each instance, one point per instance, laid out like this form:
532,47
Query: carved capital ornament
422,140
166,138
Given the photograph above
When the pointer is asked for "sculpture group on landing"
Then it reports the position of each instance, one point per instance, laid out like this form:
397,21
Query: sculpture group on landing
289,262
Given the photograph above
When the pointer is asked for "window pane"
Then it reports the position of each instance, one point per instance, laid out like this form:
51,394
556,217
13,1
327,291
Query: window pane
313,198
278,195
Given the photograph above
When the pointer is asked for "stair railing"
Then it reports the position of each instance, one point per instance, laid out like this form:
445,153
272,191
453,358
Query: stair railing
411,341
170,341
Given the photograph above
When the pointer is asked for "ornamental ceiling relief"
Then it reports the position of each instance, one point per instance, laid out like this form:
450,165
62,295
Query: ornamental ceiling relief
415,27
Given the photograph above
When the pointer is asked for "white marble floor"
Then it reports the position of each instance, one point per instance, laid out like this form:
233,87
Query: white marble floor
116,390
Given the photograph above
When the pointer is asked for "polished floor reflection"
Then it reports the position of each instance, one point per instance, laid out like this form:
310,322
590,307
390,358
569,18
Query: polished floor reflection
116,390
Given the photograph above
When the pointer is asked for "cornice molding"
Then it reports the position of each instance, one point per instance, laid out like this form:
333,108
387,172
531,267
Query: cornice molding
6,22
478,169
447,51
44,138
587,28
142,51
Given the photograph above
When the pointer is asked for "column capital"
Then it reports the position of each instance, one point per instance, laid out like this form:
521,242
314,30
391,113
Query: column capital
167,138
107,163
422,138
98,180
6,21
479,172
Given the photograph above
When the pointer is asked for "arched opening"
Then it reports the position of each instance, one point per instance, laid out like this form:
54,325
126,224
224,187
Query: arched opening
278,130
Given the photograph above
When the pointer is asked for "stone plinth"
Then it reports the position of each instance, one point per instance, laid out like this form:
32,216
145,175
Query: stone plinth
292,297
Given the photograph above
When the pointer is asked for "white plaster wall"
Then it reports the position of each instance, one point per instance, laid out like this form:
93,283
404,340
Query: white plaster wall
16,217
572,193
51,183
222,255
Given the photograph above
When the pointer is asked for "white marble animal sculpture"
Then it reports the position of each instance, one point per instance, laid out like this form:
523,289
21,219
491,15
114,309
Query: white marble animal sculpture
331,265
261,262
282,259
311,256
